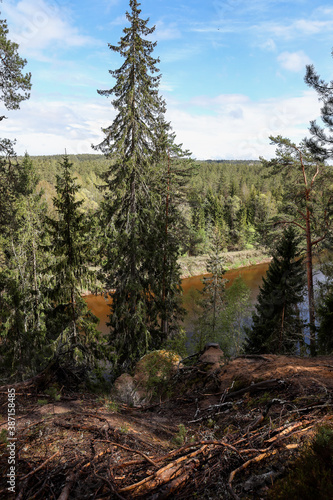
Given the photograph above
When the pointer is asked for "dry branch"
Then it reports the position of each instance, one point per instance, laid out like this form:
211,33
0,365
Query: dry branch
40,467
258,458
70,480
129,449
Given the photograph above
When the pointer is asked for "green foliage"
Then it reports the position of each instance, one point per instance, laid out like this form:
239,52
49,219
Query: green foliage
320,143
53,392
213,296
325,312
140,204
3,436
23,281
112,406
311,476
180,438
307,204
277,327
72,325
177,343
231,320
42,402
15,86
159,367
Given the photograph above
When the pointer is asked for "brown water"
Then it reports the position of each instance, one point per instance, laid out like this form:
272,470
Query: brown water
252,276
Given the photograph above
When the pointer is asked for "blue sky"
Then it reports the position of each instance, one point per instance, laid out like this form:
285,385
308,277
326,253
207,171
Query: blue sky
232,71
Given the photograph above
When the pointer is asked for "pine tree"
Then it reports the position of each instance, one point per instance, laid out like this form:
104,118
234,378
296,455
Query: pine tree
321,141
277,327
14,86
307,204
72,324
139,204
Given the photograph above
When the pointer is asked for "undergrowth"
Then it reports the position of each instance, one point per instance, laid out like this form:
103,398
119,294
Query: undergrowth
311,475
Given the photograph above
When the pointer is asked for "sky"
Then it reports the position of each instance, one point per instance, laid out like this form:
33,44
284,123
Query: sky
232,71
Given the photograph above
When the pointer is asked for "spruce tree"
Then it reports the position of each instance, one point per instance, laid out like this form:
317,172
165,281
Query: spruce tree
23,283
139,205
277,327
325,310
72,324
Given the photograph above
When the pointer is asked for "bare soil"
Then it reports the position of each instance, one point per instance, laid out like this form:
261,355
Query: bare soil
227,430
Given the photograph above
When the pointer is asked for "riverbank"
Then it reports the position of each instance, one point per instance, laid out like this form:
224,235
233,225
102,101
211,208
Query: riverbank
194,266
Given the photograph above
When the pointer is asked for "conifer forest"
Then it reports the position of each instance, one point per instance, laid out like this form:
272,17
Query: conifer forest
117,223
168,403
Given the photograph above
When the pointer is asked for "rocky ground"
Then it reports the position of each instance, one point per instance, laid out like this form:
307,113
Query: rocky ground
198,428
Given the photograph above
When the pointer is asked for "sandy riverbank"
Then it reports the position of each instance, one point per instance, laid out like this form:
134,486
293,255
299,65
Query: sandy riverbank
193,266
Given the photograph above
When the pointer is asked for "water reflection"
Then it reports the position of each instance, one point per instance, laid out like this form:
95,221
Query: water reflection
252,276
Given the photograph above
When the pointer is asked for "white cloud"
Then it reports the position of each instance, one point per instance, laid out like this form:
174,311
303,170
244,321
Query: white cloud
228,126
294,61
268,45
235,127
37,25
298,28
57,125
166,32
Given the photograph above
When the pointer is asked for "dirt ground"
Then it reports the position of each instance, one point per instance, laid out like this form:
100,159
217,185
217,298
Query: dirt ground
226,430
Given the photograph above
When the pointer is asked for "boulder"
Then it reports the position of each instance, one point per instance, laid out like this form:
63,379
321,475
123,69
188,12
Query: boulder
123,389
150,379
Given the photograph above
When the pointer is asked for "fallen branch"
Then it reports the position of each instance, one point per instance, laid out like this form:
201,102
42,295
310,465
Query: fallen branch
162,476
129,449
40,467
258,458
70,480
285,431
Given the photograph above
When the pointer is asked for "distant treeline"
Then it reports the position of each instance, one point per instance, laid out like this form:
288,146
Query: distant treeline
236,196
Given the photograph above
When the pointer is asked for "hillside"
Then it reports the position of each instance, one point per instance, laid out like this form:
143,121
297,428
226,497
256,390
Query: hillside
237,197
213,430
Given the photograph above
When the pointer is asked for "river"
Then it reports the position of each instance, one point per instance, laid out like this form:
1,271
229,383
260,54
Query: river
252,276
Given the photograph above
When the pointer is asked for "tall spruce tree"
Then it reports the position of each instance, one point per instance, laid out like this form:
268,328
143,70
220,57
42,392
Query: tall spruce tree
72,324
141,252
22,279
277,327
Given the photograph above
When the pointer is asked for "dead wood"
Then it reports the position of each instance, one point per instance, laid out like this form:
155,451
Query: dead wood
130,449
70,480
96,459
40,467
163,475
259,386
258,458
